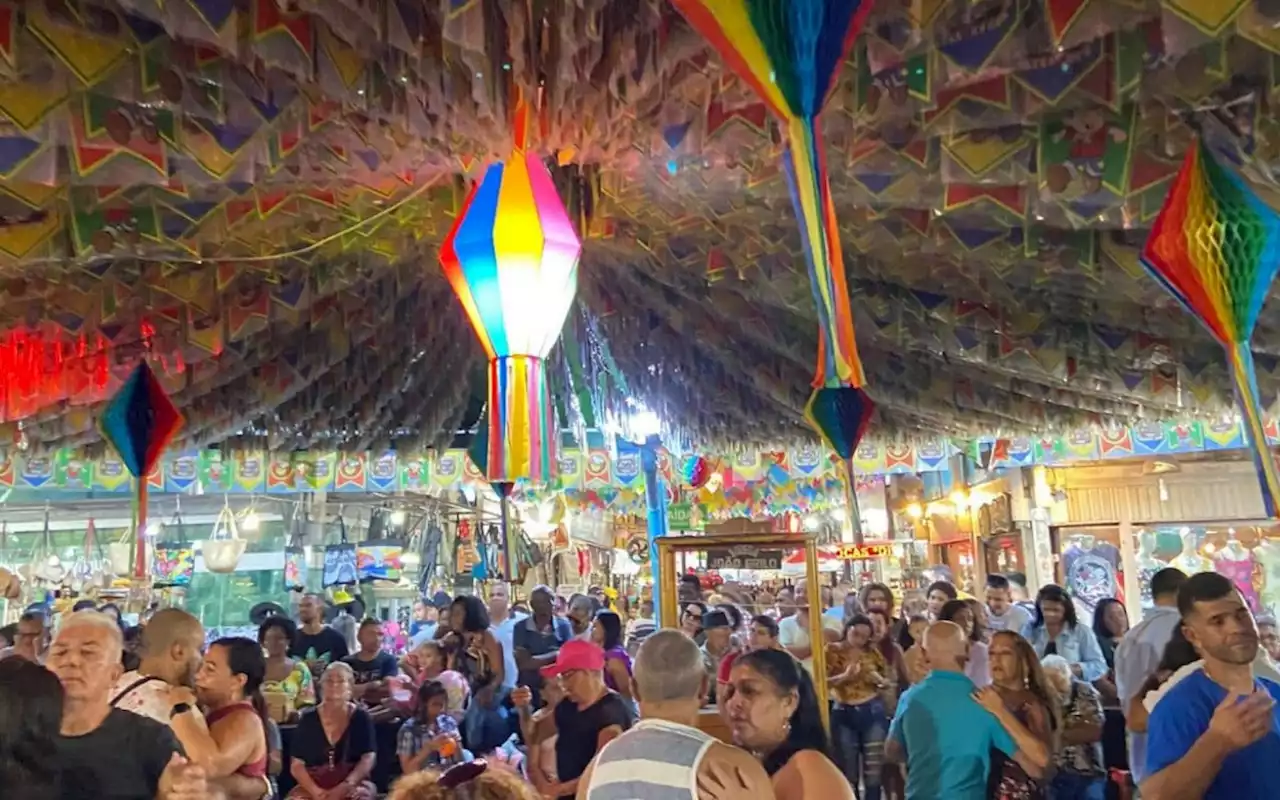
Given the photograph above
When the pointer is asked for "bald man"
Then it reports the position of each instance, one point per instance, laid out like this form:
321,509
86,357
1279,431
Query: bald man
945,735
665,754
171,648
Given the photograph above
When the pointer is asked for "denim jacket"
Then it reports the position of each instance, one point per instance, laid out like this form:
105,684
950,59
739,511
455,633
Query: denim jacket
1076,643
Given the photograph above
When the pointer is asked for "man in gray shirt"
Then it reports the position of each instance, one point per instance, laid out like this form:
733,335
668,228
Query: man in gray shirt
1002,613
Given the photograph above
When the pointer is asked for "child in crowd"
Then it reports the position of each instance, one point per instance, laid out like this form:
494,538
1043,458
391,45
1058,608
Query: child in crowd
430,738
914,658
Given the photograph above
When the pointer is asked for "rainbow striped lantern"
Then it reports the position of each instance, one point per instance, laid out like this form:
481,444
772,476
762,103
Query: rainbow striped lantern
512,259
1216,247
790,52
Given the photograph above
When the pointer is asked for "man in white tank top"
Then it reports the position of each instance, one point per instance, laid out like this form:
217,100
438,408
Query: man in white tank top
664,756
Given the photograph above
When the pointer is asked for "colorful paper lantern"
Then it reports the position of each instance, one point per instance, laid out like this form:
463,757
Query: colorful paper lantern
1216,247
696,471
790,52
512,259
139,422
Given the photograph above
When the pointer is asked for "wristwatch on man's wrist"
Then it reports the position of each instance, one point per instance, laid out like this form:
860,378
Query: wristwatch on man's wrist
179,708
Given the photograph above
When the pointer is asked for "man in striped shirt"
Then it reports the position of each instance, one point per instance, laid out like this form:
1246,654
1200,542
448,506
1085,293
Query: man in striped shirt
665,755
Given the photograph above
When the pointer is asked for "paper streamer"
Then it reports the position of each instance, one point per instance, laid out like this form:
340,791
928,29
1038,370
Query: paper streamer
790,52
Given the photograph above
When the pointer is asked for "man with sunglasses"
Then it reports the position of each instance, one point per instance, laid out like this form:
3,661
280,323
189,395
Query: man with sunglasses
589,717
31,638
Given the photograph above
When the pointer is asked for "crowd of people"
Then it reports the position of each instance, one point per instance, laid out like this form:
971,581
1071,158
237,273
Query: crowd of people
1007,697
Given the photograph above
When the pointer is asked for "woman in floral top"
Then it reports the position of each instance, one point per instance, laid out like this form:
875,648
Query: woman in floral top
284,675
859,677
1080,771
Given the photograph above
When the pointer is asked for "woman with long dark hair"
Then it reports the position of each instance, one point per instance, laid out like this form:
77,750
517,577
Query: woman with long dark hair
773,712
606,632
978,666
1020,698
229,688
1110,624
858,675
477,655
1054,630
30,718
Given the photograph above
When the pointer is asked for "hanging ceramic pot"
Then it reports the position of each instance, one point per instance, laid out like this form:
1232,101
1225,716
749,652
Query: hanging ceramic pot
222,551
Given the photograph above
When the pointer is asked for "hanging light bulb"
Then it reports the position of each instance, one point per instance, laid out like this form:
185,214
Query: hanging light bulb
397,517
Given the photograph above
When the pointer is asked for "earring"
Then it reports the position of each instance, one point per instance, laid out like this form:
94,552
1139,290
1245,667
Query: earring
786,728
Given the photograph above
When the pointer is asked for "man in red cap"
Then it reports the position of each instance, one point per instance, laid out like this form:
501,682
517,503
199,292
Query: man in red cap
588,718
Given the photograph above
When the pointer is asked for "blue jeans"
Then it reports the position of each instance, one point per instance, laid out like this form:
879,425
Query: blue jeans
1074,786
485,727
858,734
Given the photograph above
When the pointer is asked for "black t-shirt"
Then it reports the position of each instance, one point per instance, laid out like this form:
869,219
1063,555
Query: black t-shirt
327,646
122,760
311,746
383,665
578,730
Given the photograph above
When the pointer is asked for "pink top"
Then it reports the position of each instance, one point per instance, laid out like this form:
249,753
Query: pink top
979,666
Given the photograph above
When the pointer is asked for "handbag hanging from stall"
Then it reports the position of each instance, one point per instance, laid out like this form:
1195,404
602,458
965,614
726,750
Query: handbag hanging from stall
340,559
222,551
295,555
175,560
432,537
378,558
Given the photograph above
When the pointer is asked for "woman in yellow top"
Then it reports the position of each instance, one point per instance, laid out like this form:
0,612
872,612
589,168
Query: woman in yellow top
859,676
286,677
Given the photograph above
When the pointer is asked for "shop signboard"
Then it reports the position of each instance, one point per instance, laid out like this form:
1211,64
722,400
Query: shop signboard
860,552
680,517
744,557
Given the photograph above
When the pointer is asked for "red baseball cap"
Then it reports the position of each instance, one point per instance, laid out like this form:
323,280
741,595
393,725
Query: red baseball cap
576,654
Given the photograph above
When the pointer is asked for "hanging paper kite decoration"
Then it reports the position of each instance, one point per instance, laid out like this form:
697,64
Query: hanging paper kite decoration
1216,247
139,422
791,52
512,259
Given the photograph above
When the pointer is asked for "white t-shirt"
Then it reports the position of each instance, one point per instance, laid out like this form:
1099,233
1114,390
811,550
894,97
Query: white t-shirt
1014,619
505,633
790,634
145,697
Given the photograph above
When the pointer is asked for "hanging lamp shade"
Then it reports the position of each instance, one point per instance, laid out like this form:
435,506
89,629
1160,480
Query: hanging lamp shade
512,259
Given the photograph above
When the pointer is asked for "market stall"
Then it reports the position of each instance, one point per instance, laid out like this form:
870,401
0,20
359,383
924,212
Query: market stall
758,551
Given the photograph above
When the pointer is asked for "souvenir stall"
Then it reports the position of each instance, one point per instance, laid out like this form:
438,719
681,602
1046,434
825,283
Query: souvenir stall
998,536
1114,525
948,527
744,552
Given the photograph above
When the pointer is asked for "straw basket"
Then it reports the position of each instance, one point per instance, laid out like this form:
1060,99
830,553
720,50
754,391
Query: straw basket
120,557
222,552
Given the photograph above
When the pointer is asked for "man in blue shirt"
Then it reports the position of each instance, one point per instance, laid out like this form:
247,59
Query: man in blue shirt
1216,734
941,732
